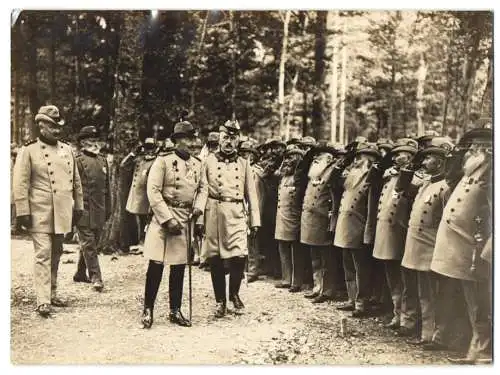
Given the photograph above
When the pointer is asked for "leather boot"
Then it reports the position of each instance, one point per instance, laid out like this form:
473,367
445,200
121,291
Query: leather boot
220,309
177,318
147,318
237,303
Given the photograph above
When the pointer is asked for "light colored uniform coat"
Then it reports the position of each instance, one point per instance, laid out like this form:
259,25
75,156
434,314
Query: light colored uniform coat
137,202
226,222
425,217
455,243
315,222
392,221
353,210
171,179
288,213
47,186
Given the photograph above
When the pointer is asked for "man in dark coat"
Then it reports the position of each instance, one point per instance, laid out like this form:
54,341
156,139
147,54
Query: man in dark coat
94,174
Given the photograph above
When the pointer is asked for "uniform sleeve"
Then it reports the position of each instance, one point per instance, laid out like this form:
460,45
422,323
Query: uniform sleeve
371,217
128,160
22,177
251,196
77,187
202,193
154,191
107,198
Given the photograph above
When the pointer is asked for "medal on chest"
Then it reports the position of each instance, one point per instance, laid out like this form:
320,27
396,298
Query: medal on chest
395,195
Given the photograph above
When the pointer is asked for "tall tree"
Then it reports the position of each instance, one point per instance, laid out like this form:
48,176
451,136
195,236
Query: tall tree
125,121
281,82
319,102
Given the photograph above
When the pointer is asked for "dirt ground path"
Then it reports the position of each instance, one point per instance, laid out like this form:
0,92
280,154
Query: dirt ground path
98,328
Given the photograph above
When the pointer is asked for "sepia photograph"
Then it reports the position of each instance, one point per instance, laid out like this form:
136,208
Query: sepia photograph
251,187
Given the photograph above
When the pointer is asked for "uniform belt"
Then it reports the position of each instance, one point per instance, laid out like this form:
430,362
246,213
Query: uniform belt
226,199
178,204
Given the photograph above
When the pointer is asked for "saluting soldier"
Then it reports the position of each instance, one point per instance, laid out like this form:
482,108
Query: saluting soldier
425,216
48,194
93,169
288,224
464,228
351,225
315,224
390,237
137,202
226,181
171,188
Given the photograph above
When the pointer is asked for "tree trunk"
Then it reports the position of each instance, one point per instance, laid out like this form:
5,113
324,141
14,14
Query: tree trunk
125,126
34,103
233,29
52,68
198,58
487,98
281,80
291,105
343,92
447,94
305,110
318,113
332,26
421,74
15,83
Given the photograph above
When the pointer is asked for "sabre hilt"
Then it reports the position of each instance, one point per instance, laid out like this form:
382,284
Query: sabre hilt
479,242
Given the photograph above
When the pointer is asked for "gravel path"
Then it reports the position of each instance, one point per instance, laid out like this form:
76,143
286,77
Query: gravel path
98,328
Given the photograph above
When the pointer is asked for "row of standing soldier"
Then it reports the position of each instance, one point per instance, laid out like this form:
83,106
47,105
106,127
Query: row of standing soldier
400,209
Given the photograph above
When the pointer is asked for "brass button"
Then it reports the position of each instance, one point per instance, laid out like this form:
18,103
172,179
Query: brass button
452,210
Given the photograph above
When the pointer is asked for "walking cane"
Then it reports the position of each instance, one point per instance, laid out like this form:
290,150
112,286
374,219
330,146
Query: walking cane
189,246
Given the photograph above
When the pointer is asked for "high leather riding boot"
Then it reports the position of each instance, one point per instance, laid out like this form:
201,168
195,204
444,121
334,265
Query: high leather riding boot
153,279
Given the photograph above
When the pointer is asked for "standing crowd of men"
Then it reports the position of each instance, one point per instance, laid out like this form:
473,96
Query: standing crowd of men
368,225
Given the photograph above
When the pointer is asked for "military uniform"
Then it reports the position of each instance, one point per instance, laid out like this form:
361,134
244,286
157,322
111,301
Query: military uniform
226,181
390,236
47,188
287,231
94,174
171,187
350,232
455,252
315,224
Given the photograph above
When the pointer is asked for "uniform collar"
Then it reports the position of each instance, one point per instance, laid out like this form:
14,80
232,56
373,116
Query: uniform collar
222,157
88,153
46,141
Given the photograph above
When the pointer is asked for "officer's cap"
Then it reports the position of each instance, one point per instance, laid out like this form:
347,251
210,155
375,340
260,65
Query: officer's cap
293,150
308,141
149,141
275,141
183,129
438,146
88,132
231,127
479,136
293,141
248,147
168,144
213,138
368,148
326,147
49,113
405,144
385,143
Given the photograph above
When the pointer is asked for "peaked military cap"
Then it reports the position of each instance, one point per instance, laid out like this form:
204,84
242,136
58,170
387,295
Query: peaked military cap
88,132
439,146
325,147
213,137
183,129
405,144
293,149
293,141
368,148
231,127
482,136
49,113
275,141
385,143
248,147
308,141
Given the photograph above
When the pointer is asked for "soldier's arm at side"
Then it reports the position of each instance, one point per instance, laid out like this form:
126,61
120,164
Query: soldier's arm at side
202,193
107,198
154,190
22,176
251,196
77,187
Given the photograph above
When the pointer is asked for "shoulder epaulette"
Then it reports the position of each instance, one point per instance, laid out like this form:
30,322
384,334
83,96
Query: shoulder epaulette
30,142
197,158
165,153
65,141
